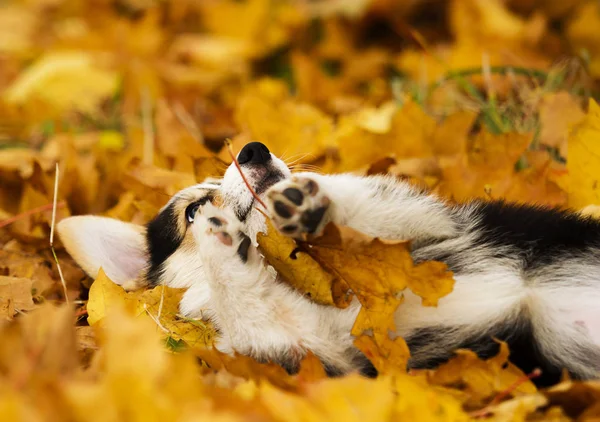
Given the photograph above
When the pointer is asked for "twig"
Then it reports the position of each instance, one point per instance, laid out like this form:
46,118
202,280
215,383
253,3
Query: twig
155,319
148,155
54,206
25,214
230,149
186,120
162,299
60,273
486,411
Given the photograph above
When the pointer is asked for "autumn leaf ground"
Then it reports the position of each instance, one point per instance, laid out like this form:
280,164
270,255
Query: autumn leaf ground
133,100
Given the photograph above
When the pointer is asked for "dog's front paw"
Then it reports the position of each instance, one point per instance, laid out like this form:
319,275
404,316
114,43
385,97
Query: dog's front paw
220,235
298,206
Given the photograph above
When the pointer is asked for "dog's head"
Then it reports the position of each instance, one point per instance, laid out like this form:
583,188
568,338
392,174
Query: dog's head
164,251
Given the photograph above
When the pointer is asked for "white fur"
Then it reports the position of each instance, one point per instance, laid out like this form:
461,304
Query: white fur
94,242
183,269
260,315
562,305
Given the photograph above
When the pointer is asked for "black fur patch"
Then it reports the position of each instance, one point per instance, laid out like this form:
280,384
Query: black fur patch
524,352
272,177
294,195
282,209
216,221
244,247
163,239
539,235
312,219
291,366
291,228
366,367
269,180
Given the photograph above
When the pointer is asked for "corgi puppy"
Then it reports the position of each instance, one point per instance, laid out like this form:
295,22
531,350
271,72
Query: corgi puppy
527,275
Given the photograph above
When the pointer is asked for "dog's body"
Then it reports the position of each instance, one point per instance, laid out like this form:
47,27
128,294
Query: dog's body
526,275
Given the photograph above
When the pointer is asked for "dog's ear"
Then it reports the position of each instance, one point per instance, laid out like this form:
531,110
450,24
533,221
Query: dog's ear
118,247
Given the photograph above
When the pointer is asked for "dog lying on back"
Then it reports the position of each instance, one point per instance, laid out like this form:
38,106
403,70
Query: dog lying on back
524,274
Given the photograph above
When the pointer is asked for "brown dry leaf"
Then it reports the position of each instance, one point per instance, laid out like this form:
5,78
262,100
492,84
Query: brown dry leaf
487,171
297,268
15,295
290,129
246,367
178,137
86,338
262,25
406,134
40,345
154,184
311,369
558,112
402,133
577,399
23,264
447,95
377,272
482,379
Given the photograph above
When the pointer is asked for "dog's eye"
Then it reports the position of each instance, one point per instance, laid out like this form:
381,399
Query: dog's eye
190,211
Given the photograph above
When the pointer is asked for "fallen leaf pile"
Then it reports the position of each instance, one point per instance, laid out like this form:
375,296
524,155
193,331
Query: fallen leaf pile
132,100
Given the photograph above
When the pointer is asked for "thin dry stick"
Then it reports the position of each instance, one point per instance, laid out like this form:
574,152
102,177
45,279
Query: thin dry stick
487,410
155,319
230,149
25,214
186,120
60,273
148,156
162,299
54,206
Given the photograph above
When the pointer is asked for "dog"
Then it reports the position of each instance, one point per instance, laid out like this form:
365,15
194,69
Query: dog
524,274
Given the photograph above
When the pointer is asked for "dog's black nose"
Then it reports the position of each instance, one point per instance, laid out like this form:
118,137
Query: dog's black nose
254,153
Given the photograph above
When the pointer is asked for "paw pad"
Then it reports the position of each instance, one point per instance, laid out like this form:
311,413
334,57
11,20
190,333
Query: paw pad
298,206
227,231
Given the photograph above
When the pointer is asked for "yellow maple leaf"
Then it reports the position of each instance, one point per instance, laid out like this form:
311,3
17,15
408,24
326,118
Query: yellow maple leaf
135,379
377,272
353,398
585,17
583,160
290,129
159,304
482,379
57,79
298,268
155,184
406,132
417,400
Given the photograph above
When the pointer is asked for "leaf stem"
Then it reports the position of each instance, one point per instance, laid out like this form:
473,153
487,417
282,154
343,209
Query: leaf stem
26,214
237,165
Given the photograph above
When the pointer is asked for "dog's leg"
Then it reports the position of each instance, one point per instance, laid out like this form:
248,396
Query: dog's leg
378,206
